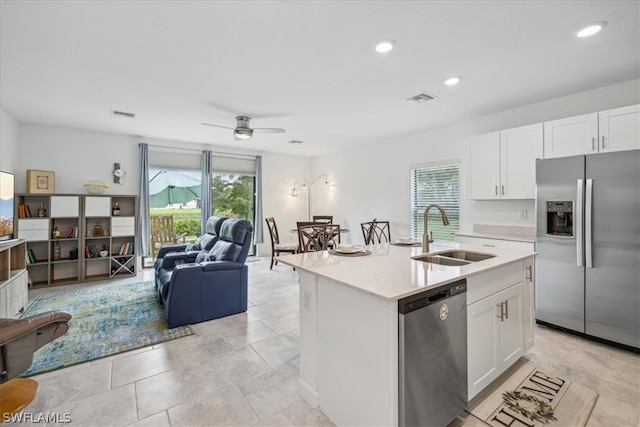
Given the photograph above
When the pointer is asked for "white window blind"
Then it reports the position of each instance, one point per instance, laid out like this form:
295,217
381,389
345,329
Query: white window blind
438,184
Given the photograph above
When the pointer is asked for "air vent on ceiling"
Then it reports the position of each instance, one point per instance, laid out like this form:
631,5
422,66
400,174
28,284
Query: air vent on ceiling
295,141
421,98
123,114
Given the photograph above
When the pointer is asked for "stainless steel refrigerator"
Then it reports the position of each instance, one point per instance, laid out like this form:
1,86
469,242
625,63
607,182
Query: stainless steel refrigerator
588,244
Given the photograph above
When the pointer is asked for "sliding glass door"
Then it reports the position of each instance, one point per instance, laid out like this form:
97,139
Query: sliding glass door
234,196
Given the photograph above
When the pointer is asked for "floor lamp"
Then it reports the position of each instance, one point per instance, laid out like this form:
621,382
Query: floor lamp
305,187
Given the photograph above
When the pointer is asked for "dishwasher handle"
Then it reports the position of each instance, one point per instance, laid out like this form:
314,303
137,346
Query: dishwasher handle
426,298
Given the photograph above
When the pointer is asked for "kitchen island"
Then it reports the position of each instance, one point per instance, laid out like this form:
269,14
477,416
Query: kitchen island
349,322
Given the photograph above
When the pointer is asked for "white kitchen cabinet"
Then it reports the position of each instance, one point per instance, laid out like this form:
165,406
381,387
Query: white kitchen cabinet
495,336
488,242
502,164
484,166
619,129
612,130
529,304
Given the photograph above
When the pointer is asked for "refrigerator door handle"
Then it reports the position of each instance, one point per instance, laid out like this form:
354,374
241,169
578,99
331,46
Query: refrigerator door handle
588,212
578,224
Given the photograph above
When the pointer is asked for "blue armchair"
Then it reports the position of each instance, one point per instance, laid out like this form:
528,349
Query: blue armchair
213,288
171,255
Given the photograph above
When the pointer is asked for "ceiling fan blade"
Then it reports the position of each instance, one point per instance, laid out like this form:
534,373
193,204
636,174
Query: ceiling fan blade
217,126
269,130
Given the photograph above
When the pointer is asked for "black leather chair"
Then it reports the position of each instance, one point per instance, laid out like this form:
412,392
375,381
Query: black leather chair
19,339
215,287
171,255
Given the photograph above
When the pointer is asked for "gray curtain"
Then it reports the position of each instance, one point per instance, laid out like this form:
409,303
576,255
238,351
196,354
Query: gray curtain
257,223
144,219
206,201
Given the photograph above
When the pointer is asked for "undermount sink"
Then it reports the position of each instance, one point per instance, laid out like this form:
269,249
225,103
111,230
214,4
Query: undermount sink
436,259
466,255
457,257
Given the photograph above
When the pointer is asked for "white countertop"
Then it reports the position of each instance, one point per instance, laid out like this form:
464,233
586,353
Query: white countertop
390,273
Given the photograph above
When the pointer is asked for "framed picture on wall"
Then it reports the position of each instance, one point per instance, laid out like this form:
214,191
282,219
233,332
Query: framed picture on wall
43,182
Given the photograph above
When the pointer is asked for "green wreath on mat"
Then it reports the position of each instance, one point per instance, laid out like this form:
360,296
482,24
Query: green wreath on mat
537,410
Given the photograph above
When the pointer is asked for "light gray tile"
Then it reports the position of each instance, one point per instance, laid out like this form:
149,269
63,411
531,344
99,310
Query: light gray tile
161,419
551,347
228,406
302,413
218,325
200,347
170,389
110,408
279,350
263,297
284,323
262,311
229,368
142,365
70,384
248,334
613,412
287,305
272,391
276,420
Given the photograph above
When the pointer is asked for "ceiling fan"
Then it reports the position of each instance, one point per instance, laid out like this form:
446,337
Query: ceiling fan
242,129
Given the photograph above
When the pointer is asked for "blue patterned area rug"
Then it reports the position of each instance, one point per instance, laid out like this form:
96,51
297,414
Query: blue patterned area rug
107,320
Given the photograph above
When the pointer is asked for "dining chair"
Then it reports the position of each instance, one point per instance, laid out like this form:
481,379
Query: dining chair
318,237
327,219
276,246
376,231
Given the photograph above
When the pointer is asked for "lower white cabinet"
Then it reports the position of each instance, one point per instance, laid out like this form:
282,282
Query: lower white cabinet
495,336
529,303
487,242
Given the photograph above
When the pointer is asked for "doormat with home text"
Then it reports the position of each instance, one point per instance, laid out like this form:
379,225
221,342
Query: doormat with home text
533,397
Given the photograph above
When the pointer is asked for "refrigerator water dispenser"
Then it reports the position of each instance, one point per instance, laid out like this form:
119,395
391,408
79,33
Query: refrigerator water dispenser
560,218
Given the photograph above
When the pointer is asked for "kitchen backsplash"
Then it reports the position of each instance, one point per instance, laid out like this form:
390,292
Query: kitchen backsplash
511,230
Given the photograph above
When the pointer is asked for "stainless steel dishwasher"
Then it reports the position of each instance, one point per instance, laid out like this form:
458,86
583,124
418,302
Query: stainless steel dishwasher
432,355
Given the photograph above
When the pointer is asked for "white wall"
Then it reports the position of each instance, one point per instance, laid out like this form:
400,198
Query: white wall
373,181
366,183
78,156
8,142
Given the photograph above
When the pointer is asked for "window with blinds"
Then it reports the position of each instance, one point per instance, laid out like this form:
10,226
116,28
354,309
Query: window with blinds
438,184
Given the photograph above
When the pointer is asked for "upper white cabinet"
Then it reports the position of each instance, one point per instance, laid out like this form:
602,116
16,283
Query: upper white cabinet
502,164
611,130
619,129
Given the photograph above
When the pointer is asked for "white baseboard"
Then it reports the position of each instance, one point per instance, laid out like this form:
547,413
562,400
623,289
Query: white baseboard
309,394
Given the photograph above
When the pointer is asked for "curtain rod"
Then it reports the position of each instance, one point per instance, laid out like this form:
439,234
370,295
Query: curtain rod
200,151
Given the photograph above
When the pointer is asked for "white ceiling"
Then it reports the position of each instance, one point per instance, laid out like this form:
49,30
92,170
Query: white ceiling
306,66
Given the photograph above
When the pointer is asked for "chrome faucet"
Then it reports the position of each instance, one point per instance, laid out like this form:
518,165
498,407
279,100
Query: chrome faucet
425,237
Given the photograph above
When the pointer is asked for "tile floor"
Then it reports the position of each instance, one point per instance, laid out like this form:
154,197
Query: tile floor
243,369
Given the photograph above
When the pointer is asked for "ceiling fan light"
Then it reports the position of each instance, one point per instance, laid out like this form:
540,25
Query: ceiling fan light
242,133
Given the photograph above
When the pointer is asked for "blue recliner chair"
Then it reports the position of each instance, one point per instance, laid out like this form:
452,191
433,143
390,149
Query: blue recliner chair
175,254
213,288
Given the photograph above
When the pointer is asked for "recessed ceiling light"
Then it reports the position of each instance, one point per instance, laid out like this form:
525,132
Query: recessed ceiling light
451,81
385,46
590,29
